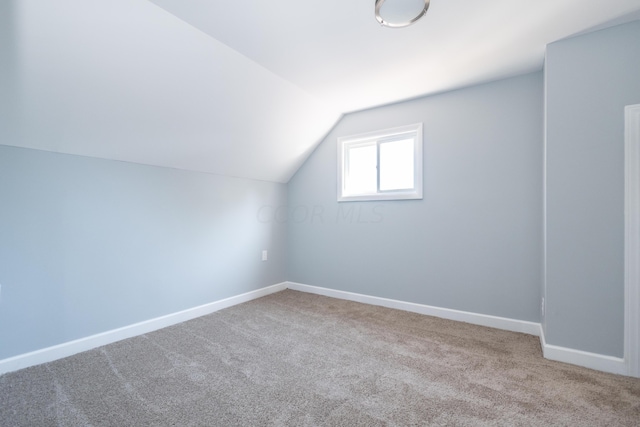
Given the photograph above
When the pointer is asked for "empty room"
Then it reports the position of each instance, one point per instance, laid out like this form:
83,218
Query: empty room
349,213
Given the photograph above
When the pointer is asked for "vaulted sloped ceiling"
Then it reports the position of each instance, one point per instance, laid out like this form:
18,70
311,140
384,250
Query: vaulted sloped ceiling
126,80
249,88
336,50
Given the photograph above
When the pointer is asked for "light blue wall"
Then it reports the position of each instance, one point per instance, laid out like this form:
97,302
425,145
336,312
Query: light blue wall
89,245
589,79
8,72
473,243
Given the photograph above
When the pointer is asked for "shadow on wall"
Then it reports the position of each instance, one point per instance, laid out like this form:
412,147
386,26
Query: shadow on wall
8,72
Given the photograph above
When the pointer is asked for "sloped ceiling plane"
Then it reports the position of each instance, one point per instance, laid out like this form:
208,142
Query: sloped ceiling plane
248,89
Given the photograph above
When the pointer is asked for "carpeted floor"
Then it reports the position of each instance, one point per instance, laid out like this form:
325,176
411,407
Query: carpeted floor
297,359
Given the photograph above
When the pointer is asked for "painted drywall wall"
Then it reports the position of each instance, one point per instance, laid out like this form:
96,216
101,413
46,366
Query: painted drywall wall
8,72
588,81
90,245
473,243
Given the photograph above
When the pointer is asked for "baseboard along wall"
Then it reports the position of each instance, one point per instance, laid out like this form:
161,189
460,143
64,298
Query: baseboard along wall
506,324
70,348
595,361
576,357
599,362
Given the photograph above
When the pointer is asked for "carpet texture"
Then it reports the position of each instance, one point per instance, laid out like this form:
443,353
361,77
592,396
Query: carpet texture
297,359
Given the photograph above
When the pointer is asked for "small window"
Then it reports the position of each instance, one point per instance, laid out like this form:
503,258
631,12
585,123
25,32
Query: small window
382,165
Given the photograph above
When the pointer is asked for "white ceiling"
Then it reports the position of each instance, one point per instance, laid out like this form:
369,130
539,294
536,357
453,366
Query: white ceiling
336,50
249,88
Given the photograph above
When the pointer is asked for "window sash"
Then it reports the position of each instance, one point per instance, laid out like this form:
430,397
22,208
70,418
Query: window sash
347,144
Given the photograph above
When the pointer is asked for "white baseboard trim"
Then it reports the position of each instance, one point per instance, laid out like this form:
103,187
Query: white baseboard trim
595,361
531,328
599,362
70,348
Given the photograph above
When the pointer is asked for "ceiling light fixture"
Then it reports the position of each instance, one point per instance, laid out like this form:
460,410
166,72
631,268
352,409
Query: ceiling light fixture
400,13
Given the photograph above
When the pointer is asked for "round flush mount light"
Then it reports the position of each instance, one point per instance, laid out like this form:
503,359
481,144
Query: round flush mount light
400,13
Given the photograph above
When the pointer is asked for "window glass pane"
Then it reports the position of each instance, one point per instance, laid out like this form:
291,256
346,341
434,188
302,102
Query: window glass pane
381,165
360,169
396,165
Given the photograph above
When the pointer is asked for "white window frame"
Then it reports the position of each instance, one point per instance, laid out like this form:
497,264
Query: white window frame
380,137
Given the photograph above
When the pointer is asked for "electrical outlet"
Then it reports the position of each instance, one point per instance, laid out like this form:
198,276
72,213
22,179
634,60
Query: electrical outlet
543,306
264,255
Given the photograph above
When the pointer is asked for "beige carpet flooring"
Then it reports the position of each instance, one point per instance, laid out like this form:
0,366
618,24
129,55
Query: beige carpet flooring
296,359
